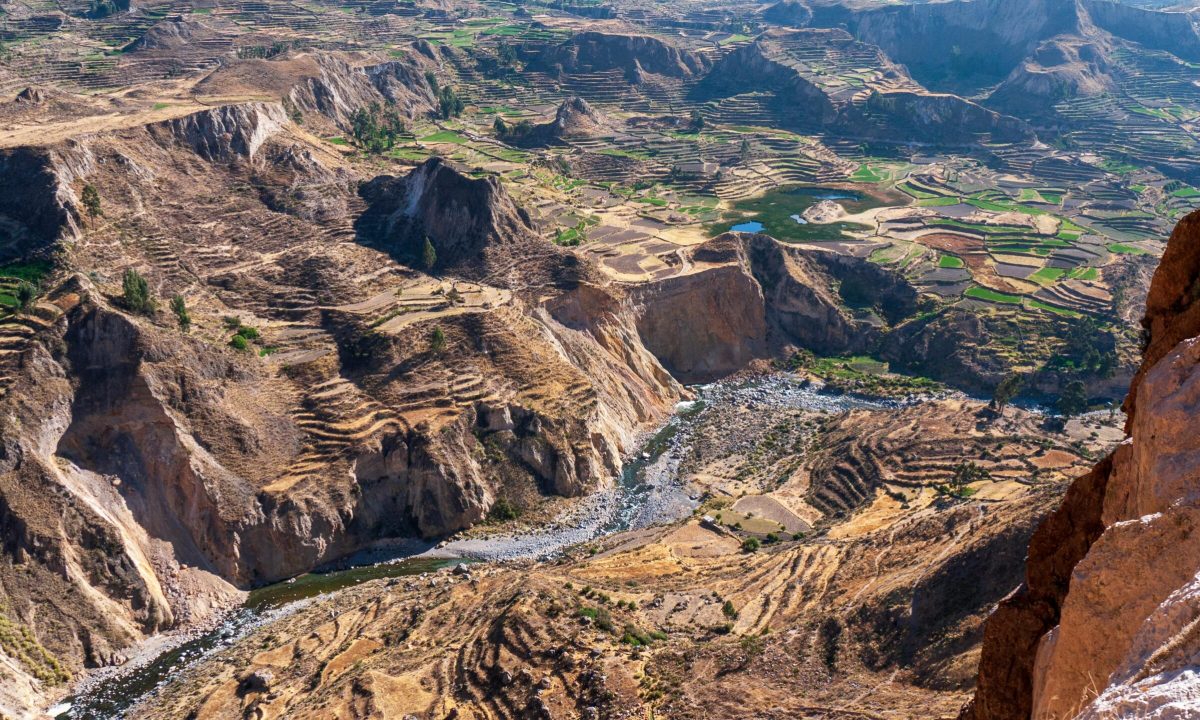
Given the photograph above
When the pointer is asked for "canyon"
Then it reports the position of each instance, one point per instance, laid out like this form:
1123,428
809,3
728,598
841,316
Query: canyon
731,362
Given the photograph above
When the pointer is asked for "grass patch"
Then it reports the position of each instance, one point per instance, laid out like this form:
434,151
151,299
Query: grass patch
445,136
949,261
1047,275
1123,249
981,293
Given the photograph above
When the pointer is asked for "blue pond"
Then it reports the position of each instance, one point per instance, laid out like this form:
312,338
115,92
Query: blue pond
749,227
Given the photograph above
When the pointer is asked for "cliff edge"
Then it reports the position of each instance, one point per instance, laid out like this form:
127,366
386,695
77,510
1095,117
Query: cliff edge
1107,622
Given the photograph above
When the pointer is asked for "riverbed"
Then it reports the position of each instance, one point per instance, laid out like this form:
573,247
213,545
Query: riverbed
650,491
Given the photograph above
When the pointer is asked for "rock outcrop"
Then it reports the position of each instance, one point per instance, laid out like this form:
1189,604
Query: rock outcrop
761,297
575,118
1059,69
472,225
598,51
1104,624
230,132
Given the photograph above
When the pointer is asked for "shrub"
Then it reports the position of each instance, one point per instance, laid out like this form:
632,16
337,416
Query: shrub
248,332
635,636
751,544
503,510
179,307
136,292
428,255
729,610
91,200
26,292
238,342
437,340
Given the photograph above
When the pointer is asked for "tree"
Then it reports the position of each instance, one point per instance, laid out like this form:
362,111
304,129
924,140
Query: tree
500,126
428,255
437,340
26,292
179,307
450,104
432,81
696,124
966,473
751,544
1074,399
136,292
746,151
1006,391
91,200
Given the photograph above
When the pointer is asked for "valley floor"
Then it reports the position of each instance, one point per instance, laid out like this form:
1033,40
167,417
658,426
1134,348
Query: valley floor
720,555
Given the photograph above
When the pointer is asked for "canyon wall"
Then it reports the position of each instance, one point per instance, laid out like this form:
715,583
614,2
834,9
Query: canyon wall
1104,624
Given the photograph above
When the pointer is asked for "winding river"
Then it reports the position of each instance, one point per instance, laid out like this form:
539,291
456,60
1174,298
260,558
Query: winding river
649,492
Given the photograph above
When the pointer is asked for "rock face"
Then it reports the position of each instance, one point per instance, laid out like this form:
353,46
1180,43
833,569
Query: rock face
800,103
960,44
762,297
792,13
473,226
230,132
37,202
1061,68
1174,32
1102,626
598,52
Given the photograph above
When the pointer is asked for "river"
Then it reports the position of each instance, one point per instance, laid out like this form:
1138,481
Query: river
649,492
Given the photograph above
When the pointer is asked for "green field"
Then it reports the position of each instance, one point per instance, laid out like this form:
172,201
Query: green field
949,261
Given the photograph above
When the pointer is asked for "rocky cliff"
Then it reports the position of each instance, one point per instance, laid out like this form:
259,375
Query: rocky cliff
150,471
1104,624
599,51
761,298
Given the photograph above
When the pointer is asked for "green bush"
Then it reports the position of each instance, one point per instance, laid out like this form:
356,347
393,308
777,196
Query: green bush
237,342
437,340
26,292
91,200
179,307
751,544
136,292
729,610
503,510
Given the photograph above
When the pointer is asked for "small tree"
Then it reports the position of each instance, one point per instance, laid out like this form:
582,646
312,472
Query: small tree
1074,399
179,307
751,544
966,473
91,200
136,292
26,292
696,123
437,340
1006,391
746,151
449,103
428,255
500,127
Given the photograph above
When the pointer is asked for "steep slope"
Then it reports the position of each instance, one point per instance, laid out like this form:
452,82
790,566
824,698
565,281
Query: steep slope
151,471
890,107
1104,623
876,612
599,51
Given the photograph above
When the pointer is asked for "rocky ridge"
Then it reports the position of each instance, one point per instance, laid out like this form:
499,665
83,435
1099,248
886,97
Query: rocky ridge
1103,624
